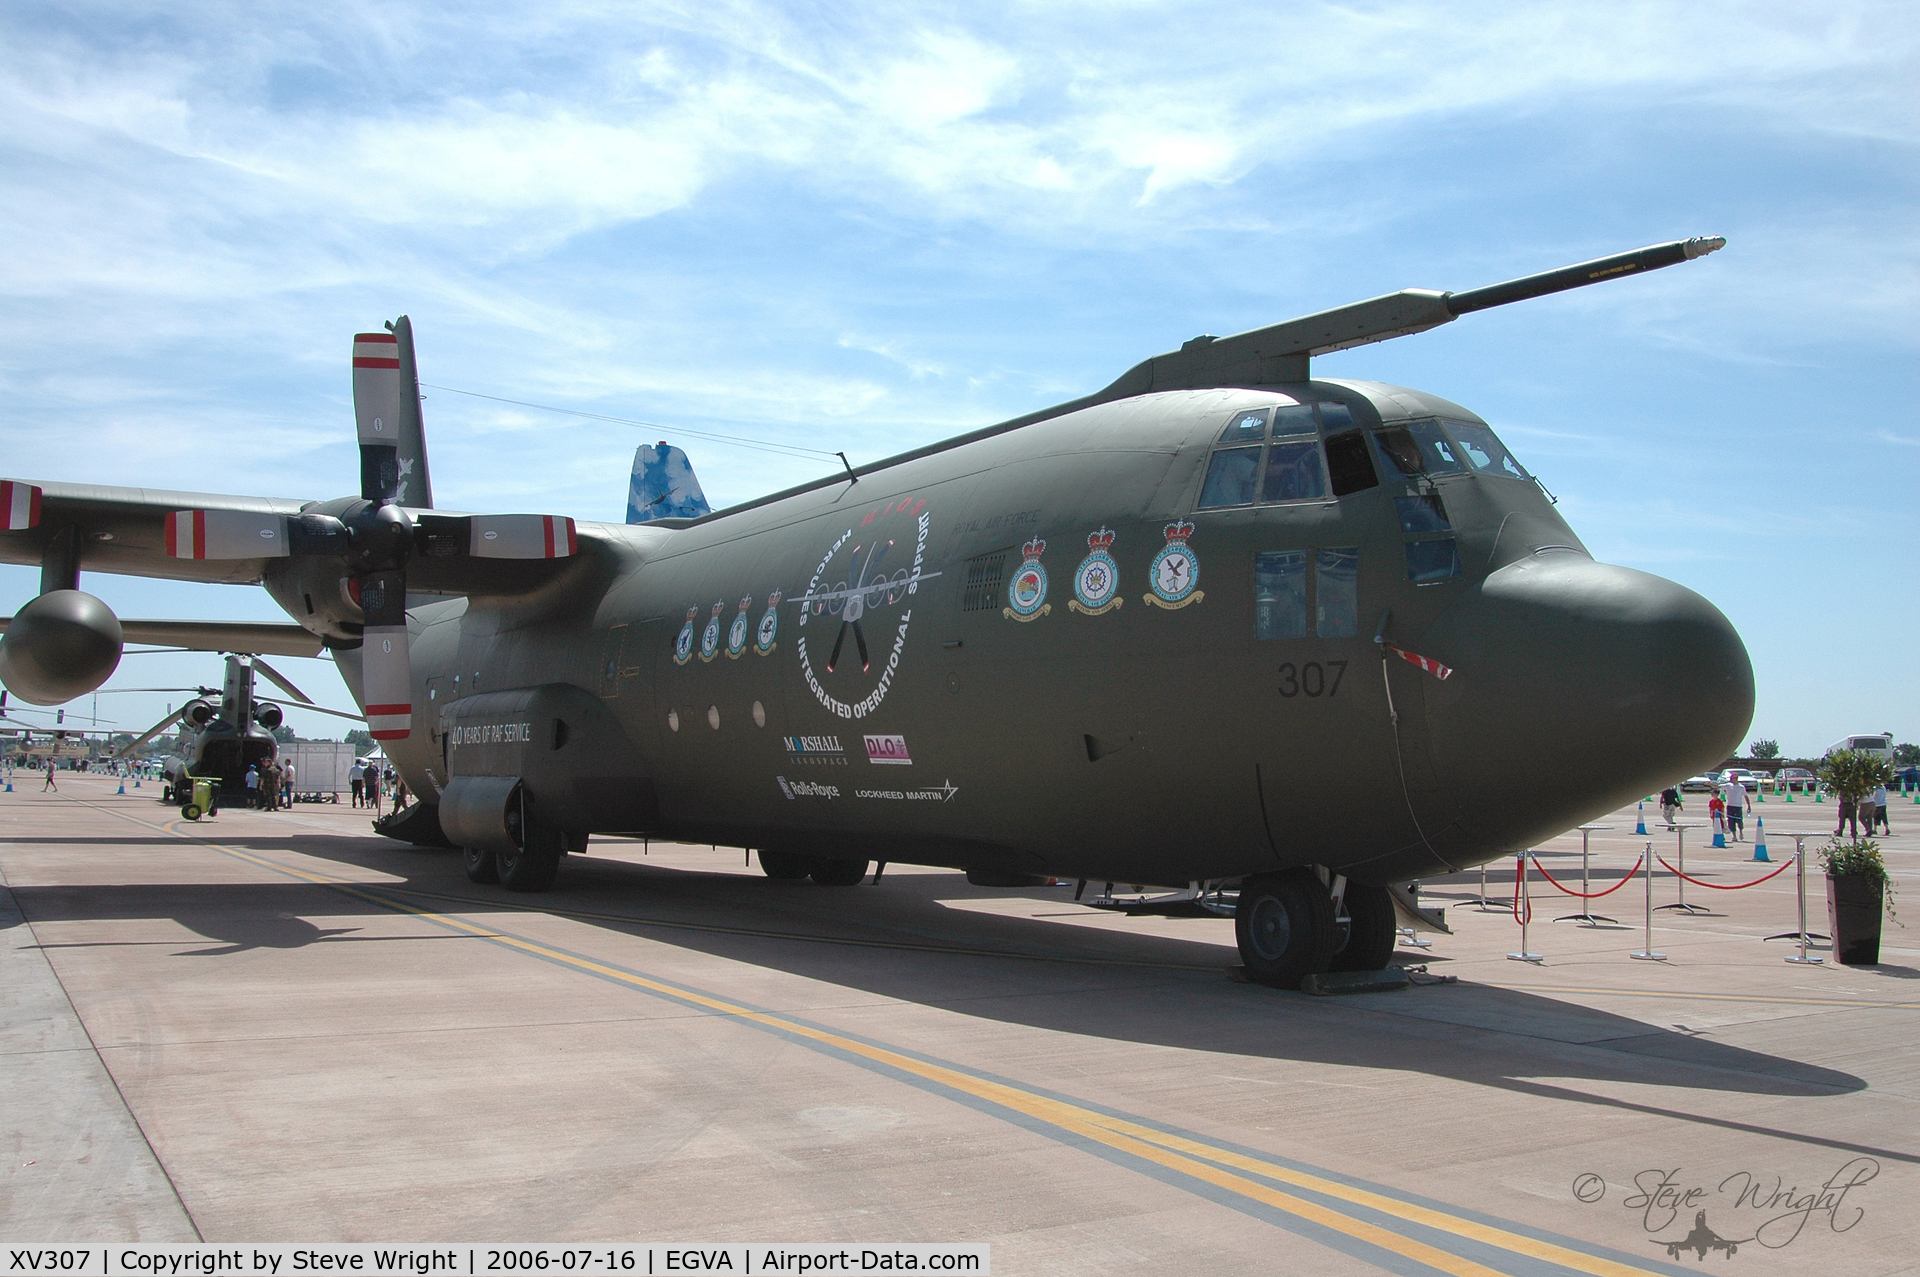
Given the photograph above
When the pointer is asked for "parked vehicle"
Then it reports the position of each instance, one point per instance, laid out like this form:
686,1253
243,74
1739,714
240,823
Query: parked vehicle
1703,783
1795,779
1748,781
1878,744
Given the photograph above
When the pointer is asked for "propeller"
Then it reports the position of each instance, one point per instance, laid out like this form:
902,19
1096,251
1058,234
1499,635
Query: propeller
377,535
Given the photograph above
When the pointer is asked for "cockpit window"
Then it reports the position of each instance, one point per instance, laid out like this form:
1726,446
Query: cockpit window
1294,472
1246,427
1484,451
1418,447
1231,478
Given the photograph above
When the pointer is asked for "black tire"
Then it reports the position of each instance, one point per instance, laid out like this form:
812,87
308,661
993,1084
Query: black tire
839,873
533,866
1284,924
480,865
190,811
783,866
166,794
1366,943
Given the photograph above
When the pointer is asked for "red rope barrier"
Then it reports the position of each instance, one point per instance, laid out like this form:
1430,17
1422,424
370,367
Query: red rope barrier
1719,887
1589,895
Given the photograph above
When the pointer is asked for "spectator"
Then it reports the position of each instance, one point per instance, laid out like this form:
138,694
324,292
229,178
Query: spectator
1734,795
252,783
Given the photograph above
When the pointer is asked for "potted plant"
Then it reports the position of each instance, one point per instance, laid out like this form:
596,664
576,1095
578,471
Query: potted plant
1857,891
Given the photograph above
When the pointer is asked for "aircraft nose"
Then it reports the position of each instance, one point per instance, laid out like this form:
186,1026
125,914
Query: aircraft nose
1582,686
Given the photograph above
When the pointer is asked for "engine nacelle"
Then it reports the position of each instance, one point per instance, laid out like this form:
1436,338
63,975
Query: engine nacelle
60,646
200,713
268,715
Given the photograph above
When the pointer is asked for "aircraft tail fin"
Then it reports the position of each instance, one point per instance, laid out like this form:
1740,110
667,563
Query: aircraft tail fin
663,486
386,408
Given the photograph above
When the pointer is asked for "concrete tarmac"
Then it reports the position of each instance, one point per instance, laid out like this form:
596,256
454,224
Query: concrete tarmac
281,1027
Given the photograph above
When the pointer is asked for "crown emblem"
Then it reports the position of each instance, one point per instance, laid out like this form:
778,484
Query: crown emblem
746,603
1177,532
692,612
1099,541
717,606
773,600
1034,548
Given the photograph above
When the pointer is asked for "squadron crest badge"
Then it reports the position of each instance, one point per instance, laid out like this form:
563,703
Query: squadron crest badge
1027,592
1096,582
1175,570
769,628
683,646
710,637
737,632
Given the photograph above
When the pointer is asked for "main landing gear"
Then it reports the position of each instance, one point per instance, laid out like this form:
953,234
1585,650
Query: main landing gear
1289,927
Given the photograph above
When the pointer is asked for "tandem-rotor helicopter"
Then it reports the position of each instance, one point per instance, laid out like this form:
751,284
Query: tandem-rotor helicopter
1276,642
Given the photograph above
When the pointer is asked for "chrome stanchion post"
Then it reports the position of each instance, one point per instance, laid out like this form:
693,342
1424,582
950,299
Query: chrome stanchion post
1586,886
1483,902
1646,952
1680,902
1524,893
1800,872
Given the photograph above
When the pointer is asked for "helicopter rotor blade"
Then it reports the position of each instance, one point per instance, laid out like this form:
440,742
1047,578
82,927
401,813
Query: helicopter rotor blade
281,681
152,732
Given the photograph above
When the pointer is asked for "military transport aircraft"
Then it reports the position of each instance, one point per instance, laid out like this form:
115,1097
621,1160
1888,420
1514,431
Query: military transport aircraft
1280,641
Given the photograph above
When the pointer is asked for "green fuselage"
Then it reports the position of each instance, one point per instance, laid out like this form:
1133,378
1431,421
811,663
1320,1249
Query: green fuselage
1057,650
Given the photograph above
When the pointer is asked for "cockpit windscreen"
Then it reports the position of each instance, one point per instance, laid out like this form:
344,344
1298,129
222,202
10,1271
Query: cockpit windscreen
1416,447
1484,450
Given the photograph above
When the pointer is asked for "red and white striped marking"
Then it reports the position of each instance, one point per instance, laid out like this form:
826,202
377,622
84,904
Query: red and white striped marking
522,536
225,534
1426,663
376,350
19,506
386,674
376,387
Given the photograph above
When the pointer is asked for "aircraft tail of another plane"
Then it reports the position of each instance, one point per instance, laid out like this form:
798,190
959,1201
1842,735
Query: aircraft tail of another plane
663,485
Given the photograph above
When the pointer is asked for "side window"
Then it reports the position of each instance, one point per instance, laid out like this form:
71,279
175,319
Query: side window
982,590
1422,514
1288,585
1230,478
1337,591
1280,595
1432,560
1348,463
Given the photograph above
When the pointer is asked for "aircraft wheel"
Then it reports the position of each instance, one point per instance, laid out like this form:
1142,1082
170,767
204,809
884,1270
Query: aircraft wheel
782,865
1284,923
534,866
839,873
1370,931
166,794
480,866
191,811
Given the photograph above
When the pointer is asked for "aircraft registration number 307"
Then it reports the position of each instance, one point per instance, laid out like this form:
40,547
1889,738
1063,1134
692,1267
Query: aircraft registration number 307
1311,678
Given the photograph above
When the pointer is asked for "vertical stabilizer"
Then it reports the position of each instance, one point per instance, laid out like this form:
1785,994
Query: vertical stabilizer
663,486
386,408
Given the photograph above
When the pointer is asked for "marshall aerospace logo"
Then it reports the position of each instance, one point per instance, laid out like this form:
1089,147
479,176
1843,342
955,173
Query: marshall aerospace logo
857,608
815,751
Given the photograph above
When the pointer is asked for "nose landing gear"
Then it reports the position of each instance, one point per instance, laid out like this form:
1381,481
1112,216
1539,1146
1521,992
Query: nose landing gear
1288,927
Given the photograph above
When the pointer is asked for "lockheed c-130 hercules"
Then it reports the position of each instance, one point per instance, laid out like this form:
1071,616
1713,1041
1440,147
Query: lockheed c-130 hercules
1281,642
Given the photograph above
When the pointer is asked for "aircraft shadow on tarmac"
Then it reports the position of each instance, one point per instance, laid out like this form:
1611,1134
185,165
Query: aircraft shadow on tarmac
903,941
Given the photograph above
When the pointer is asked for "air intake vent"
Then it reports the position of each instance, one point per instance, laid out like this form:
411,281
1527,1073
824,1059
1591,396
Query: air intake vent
983,582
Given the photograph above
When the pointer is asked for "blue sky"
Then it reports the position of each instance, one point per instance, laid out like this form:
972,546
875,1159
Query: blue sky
869,227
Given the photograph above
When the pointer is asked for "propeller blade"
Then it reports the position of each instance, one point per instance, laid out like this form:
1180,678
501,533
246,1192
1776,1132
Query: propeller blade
839,641
386,410
386,671
244,534
522,536
860,640
153,731
226,534
19,506
281,681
